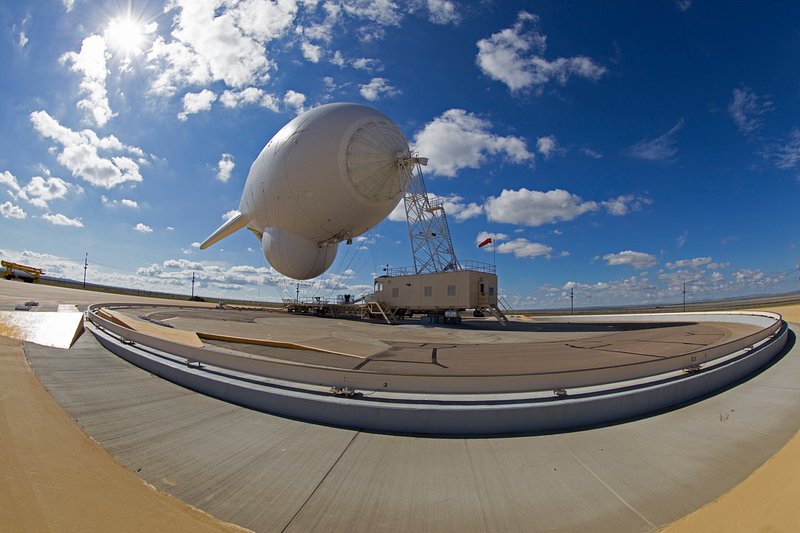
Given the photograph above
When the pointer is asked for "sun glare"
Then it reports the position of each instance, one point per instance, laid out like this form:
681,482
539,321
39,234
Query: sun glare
125,35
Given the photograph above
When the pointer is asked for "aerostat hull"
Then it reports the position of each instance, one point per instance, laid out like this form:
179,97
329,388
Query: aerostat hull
329,175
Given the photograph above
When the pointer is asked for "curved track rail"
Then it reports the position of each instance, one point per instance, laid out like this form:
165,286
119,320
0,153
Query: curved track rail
454,404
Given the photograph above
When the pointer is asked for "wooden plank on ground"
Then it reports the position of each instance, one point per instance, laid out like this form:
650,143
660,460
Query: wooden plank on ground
189,338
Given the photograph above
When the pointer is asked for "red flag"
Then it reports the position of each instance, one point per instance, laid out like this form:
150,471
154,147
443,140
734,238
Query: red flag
484,243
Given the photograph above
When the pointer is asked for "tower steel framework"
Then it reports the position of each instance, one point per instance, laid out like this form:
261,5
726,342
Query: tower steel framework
431,244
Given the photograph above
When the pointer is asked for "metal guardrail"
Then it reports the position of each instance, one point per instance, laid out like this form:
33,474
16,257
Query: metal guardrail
478,266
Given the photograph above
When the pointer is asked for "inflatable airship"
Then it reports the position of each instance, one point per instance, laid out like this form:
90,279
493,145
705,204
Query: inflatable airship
327,176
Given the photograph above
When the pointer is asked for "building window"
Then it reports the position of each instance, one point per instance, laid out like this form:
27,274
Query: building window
491,291
395,292
451,290
429,290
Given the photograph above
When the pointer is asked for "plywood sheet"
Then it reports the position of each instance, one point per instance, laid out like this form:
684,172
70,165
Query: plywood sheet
189,338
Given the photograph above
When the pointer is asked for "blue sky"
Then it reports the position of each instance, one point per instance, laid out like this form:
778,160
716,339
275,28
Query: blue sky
619,149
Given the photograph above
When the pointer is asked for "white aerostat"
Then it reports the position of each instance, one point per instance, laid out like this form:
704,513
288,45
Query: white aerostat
327,176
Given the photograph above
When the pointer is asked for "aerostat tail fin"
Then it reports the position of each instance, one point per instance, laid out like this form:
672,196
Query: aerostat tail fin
234,224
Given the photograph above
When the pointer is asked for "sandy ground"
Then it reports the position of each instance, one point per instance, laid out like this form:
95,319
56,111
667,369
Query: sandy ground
768,500
790,313
53,477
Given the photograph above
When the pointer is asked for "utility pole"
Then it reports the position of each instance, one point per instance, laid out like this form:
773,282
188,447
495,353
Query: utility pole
85,266
572,300
192,285
297,294
684,296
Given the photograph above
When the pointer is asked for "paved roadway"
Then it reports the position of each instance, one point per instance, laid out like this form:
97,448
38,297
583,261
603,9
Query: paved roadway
272,474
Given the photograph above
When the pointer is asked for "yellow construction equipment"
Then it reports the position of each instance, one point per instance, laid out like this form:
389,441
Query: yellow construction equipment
23,272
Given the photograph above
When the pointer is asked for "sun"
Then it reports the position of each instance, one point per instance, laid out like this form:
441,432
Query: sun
126,35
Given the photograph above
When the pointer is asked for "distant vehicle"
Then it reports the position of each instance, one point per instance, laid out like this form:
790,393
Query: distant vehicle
23,272
327,176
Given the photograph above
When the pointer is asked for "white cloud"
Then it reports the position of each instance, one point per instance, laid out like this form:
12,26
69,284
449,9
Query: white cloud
512,56
689,263
368,64
225,277
683,5
79,153
443,12
90,62
9,180
681,239
535,208
483,235
114,203
746,109
62,220
377,88
786,154
548,146
196,102
296,100
195,245
225,167
454,207
457,139
68,5
38,191
213,42
337,59
638,260
624,204
588,152
311,51
249,96
658,149
229,215
521,247
23,40
460,211
383,12
143,228
271,102
529,208
323,31
9,210
398,214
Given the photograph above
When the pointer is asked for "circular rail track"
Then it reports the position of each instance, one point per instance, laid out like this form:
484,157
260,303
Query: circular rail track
552,374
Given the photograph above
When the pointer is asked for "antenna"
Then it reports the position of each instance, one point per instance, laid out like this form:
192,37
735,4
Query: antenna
192,285
85,266
684,296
